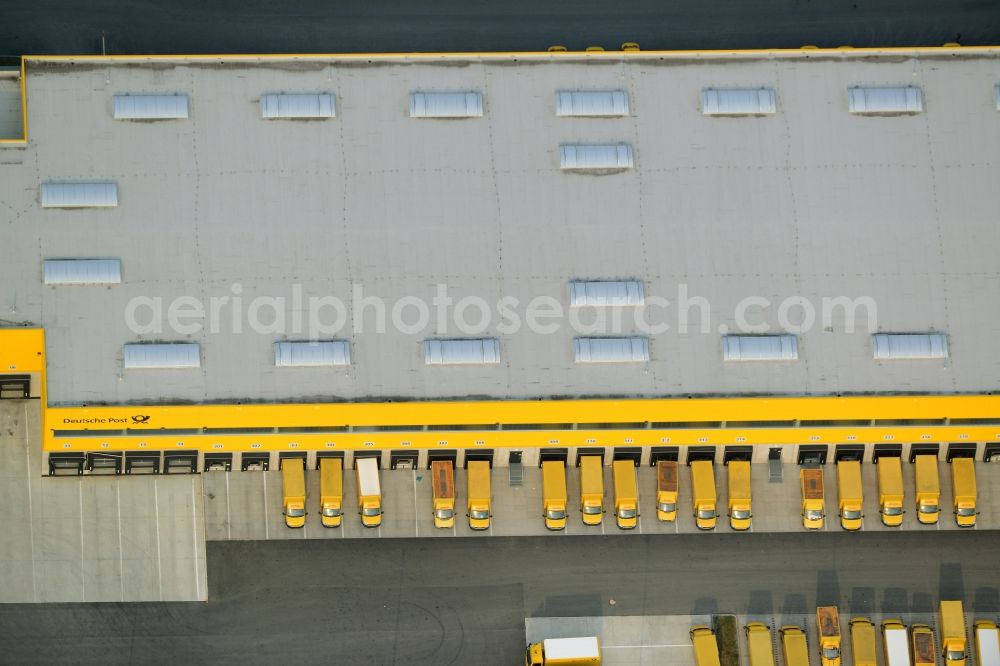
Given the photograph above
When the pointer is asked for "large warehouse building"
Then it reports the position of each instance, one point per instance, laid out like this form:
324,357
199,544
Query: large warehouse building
250,257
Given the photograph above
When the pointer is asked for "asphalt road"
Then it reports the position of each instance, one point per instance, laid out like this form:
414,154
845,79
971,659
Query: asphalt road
463,601
321,26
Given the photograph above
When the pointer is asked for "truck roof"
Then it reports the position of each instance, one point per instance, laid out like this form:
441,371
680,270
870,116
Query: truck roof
952,619
666,475
586,647
963,475
812,483
368,484
927,474
897,649
478,480
331,475
923,645
828,620
890,475
849,479
443,476
988,644
625,479
293,477
739,479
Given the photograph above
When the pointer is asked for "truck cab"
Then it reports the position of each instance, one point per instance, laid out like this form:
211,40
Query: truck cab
554,494
591,489
928,486
890,490
331,491
703,497
626,494
666,490
813,498
293,483
850,494
740,511
443,493
828,626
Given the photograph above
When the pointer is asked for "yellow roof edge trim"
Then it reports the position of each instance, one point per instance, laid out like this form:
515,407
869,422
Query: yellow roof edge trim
645,54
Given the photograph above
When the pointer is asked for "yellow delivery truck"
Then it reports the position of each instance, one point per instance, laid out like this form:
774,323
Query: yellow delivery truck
626,494
849,494
759,644
443,493
369,491
890,490
703,496
706,648
554,494
293,485
828,628
928,487
813,498
479,494
951,624
963,486
591,489
666,490
584,651
331,491
793,646
739,494
863,642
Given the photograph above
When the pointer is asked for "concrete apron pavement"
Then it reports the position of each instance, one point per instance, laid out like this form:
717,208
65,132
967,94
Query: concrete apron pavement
248,505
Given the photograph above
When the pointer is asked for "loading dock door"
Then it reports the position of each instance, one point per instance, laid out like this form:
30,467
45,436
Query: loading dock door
403,459
180,462
813,454
13,387
142,462
218,462
252,462
66,464
104,463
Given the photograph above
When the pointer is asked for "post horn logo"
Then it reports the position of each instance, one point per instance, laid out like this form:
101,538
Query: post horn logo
140,418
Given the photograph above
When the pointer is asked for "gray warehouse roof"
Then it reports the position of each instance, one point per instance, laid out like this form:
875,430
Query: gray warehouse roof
809,202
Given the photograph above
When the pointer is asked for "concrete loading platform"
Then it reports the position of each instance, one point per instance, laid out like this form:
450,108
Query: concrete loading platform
247,505
111,538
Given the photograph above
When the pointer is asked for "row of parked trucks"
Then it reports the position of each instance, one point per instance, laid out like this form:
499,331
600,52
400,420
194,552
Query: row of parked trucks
901,646
626,493
331,470
704,501
927,492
